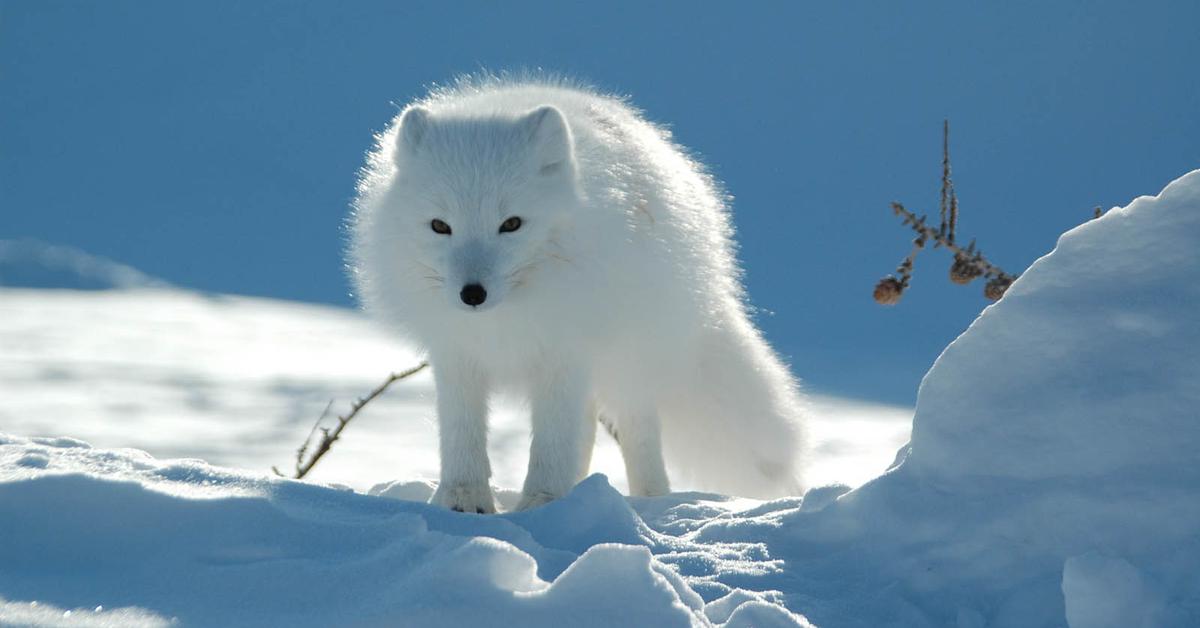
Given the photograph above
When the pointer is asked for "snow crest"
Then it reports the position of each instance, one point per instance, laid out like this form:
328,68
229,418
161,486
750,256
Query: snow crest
179,540
1052,472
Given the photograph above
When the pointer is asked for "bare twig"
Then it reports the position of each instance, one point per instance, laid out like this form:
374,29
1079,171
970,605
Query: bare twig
308,439
947,206
330,435
969,263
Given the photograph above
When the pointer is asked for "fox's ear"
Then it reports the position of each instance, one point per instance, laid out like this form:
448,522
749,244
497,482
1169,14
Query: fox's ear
551,139
414,122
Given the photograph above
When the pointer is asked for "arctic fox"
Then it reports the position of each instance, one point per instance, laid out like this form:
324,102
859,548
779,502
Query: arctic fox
538,237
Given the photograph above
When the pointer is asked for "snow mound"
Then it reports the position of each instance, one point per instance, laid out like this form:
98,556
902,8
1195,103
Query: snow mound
1087,365
1102,591
179,540
1052,473
34,264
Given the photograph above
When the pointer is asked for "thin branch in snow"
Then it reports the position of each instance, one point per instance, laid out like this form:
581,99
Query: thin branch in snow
305,462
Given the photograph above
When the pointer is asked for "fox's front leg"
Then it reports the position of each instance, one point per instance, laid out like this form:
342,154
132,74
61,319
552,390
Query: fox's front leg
462,393
563,435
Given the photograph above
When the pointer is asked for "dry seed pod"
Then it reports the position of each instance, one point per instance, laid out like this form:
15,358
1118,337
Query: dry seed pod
962,271
969,262
996,288
888,291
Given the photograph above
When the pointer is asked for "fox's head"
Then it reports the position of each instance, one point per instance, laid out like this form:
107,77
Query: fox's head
476,202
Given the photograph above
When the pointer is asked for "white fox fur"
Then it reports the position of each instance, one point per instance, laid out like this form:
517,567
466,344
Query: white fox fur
617,299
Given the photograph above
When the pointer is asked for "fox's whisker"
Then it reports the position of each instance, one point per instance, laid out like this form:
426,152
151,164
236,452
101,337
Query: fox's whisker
427,267
516,276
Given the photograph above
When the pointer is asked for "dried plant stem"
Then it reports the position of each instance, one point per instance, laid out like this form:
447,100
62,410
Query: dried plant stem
949,223
968,263
330,435
969,255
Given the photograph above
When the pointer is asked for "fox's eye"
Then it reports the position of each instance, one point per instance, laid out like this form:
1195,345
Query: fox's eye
511,224
439,226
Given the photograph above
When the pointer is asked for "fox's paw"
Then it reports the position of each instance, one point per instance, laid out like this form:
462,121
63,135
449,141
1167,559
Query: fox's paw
540,498
465,498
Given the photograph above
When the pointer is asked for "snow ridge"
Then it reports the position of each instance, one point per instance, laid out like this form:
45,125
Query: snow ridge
34,264
182,540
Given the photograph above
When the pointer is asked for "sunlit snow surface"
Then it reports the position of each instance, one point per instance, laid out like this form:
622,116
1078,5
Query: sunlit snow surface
181,540
1051,478
239,381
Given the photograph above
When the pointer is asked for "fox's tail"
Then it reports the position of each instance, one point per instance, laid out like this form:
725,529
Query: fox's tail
737,426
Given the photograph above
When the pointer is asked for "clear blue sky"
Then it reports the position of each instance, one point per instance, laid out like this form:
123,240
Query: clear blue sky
214,144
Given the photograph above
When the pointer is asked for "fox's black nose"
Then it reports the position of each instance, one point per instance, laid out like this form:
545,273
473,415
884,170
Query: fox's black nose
473,294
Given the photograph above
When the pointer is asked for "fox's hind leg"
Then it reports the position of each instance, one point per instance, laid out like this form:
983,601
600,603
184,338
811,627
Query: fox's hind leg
639,434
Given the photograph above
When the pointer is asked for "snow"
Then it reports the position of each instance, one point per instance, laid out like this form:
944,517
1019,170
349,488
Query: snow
31,263
239,381
1061,424
183,540
1050,479
1103,591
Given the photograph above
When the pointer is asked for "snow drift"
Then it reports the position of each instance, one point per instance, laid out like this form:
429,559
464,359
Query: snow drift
237,381
160,541
1050,481
31,263
1052,469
